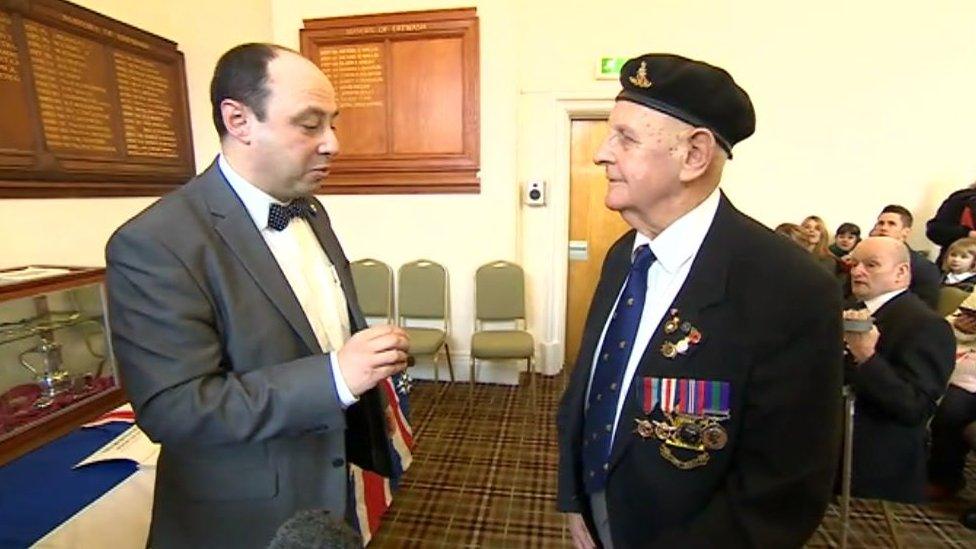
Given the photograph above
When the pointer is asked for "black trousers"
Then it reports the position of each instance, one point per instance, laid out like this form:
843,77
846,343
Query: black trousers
949,449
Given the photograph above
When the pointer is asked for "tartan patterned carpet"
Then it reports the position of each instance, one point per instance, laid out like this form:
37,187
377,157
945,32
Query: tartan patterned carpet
487,478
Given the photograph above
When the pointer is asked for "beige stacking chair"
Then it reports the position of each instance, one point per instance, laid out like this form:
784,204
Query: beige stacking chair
374,288
500,297
423,294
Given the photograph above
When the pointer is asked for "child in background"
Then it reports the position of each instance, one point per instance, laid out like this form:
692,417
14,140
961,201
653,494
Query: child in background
846,237
959,264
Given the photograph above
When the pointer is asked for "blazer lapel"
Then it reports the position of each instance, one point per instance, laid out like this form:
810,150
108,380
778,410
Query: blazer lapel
703,288
236,228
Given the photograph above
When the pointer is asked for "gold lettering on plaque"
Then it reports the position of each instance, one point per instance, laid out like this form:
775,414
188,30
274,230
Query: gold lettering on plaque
147,116
9,58
356,71
75,109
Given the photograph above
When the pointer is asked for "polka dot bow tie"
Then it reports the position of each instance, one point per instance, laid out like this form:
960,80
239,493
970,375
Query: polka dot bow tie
280,215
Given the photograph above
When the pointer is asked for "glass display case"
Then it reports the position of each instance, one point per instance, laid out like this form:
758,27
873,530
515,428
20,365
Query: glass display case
56,365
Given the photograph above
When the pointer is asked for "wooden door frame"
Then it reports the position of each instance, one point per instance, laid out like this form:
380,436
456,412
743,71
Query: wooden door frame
567,110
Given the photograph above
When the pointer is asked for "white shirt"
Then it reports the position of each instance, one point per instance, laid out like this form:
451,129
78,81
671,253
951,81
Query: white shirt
952,278
675,249
875,303
308,271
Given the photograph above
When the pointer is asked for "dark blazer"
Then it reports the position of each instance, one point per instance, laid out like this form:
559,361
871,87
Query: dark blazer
926,279
770,321
946,227
896,392
224,370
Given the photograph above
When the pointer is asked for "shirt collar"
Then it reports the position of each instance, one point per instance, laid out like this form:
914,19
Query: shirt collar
256,202
680,241
877,302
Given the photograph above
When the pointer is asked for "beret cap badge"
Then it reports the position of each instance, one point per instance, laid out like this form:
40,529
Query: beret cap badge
640,78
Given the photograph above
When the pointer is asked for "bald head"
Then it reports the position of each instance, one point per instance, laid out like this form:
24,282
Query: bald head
881,265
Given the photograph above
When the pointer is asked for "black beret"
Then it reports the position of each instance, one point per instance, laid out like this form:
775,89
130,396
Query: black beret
695,92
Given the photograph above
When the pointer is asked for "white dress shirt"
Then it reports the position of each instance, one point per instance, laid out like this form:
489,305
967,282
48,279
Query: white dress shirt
952,278
307,269
875,303
675,249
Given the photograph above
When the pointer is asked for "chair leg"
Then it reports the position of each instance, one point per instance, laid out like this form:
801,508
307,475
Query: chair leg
890,521
845,497
437,369
471,382
447,355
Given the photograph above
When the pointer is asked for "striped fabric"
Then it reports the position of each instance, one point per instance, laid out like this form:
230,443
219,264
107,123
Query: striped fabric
371,493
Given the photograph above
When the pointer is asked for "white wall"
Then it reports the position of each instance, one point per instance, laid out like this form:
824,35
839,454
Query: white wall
859,104
461,232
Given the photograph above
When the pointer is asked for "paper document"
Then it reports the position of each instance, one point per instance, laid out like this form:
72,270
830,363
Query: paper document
131,445
30,273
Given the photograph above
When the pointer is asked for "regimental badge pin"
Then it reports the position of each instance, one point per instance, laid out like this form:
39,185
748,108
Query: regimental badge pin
640,78
690,336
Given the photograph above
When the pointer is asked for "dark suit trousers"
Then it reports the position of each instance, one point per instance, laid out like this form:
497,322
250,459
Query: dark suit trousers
949,449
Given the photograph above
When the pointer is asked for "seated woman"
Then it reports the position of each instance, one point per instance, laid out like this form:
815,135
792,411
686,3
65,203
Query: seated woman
947,457
817,238
959,264
846,237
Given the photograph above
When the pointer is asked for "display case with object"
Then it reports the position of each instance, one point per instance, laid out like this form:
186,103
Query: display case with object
56,365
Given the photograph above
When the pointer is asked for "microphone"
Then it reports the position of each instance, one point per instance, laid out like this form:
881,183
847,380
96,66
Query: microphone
315,529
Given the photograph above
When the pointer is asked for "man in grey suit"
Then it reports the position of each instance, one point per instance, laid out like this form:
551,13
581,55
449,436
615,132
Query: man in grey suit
235,323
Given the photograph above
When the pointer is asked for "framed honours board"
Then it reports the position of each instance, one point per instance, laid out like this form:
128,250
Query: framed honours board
91,106
407,90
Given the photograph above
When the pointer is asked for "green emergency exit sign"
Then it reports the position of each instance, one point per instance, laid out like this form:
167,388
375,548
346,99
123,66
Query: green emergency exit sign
609,68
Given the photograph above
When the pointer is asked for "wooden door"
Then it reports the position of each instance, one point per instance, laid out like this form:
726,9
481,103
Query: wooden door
590,222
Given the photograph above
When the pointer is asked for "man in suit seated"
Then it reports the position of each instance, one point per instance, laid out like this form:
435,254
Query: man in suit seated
235,322
898,371
704,407
896,222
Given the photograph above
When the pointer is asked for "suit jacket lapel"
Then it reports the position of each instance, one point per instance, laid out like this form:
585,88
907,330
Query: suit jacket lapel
236,228
703,288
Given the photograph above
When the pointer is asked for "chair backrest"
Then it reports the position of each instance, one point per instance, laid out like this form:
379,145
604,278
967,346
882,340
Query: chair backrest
422,291
374,287
950,298
499,291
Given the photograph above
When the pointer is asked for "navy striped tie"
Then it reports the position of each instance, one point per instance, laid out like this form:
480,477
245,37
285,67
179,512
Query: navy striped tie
605,387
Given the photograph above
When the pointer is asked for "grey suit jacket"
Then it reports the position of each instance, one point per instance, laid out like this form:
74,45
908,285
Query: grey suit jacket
223,369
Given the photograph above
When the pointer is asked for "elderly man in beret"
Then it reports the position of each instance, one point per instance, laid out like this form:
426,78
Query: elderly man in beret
704,407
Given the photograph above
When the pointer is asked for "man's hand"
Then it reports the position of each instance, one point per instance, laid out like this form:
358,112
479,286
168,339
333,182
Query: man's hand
579,532
372,355
862,344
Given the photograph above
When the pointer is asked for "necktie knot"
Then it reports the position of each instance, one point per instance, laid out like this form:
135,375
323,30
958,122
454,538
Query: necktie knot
280,215
643,257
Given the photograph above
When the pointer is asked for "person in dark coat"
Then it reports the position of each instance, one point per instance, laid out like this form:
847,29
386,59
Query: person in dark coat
898,371
955,219
896,222
704,406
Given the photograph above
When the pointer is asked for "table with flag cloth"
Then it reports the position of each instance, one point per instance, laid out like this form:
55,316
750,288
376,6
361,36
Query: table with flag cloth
46,503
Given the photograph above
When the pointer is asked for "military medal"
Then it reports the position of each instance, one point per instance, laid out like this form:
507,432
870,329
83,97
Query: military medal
669,350
692,410
714,437
690,336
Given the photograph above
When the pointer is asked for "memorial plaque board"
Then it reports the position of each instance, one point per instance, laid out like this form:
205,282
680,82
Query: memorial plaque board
97,107
407,90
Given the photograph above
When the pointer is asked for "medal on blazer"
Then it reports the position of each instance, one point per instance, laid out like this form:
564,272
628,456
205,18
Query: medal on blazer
692,410
689,336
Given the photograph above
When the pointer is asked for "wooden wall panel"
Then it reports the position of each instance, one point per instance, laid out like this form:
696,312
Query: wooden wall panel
428,99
